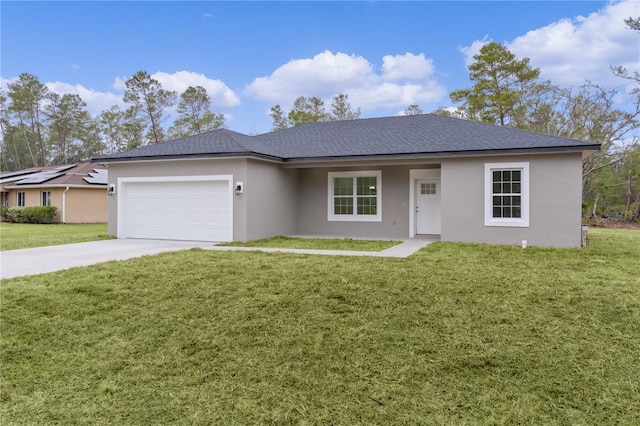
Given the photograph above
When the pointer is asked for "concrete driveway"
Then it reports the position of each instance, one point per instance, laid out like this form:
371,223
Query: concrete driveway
38,260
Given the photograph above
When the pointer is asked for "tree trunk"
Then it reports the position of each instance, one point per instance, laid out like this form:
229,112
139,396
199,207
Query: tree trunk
626,213
636,213
595,206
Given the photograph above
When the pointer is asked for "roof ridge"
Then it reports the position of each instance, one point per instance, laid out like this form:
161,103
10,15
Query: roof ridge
424,134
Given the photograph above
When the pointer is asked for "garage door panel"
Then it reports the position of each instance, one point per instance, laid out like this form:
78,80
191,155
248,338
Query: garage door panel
185,210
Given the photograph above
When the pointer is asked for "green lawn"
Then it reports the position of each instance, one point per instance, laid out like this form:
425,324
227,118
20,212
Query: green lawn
318,243
21,235
457,334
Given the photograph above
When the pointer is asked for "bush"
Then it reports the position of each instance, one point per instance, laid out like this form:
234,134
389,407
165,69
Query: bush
4,214
43,214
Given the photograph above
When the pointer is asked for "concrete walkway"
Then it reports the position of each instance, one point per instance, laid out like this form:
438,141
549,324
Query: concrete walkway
39,260
402,250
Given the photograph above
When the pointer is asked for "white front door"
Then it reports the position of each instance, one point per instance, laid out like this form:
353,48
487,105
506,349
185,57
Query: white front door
428,206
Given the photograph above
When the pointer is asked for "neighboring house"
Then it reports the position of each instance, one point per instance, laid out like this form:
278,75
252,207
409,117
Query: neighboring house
79,191
392,177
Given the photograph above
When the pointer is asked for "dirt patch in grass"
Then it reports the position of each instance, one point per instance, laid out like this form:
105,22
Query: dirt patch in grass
609,223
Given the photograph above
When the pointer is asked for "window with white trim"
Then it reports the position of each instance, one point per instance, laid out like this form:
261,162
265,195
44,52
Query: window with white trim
355,196
46,198
20,202
506,194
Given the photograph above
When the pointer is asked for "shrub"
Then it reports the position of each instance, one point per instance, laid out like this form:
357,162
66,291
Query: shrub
42,214
4,214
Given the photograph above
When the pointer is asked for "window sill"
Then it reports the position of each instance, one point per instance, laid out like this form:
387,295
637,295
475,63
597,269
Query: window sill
507,223
345,218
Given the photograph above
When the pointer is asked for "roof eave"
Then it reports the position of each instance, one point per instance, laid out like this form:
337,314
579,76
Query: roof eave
58,185
227,155
444,154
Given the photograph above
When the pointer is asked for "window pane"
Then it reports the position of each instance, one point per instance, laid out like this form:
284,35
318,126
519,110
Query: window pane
427,188
367,205
46,198
343,186
342,205
506,182
367,185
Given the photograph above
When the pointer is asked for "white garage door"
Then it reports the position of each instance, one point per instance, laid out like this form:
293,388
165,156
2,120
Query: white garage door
179,208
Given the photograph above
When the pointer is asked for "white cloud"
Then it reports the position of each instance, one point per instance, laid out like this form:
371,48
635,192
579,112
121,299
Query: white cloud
571,51
119,84
96,101
407,66
4,82
320,76
470,51
405,79
221,95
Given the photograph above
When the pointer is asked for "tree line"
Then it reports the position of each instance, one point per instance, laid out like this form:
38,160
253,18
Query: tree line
40,127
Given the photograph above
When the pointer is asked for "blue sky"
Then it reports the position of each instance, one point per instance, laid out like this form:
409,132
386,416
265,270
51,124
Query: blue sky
253,55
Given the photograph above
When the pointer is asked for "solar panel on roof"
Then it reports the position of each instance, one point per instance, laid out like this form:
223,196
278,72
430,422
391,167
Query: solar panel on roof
65,167
97,177
40,177
14,174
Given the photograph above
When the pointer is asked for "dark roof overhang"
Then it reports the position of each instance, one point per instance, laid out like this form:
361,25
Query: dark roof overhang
446,154
254,155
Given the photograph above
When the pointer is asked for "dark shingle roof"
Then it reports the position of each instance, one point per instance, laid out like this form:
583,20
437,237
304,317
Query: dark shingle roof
221,141
427,135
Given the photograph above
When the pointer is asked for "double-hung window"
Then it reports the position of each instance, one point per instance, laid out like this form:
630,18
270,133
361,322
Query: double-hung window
355,196
506,194
20,202
46,198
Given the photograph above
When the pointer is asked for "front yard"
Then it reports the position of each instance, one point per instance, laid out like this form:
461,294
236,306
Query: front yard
21,235
456,334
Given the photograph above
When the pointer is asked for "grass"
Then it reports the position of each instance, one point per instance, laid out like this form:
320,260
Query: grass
20,235
318,243
456,334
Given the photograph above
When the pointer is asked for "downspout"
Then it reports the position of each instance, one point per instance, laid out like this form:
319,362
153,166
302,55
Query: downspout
64,204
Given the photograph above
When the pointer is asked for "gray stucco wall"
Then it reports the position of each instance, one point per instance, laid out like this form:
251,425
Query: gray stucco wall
235,167
281,201
313,199
555,201
272,199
